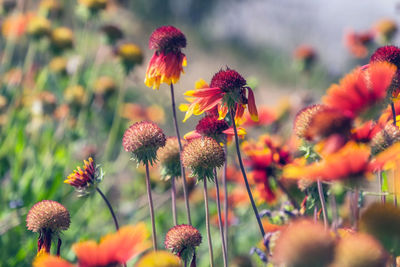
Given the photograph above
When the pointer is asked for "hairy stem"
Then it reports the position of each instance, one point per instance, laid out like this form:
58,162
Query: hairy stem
185,194
253,204
150,199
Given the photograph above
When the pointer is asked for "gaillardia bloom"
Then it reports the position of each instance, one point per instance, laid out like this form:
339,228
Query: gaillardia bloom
113,250
227,91
48,218
304,244
143,139
359,250
62,38
82,180
169,158
130,55
361,89
168,61
202,155
357,42
182,240
212,127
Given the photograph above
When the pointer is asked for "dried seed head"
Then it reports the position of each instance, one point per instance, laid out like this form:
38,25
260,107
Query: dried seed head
386,137
359,250
304,244
143,139
202,155
228,80
48,214
169,158
167,38
304,118
182,240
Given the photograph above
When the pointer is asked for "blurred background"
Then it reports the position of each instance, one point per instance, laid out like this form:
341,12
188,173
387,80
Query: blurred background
54,114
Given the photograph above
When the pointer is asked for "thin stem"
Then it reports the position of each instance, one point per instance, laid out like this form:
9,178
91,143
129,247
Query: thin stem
380,180
185,194
323,205
393,112
221,229
109,208
226,204
150,199
253,204
173,198
210,249
59,242
289,196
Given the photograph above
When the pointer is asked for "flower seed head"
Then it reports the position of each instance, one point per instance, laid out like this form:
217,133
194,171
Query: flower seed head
182,240
303,119
169,157
360,250
202,155
386,137
389,53
143,139
228,80
167,38
48,215
304,244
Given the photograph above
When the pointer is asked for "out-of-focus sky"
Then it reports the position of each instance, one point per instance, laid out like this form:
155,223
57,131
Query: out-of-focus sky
288,23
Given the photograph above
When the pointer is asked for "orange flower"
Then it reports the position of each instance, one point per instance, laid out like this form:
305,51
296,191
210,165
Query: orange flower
227,91
357,43
119,247
47,260
351,161
361,89
387,159
168,61
232,219
15,25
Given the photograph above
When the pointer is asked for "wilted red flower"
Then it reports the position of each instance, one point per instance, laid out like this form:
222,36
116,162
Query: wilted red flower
361,89
357,42
227,91
82,179
47,218
168,61
212,127
349,162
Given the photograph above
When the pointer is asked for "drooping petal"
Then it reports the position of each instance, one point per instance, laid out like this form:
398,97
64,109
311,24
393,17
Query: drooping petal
191,135
252,105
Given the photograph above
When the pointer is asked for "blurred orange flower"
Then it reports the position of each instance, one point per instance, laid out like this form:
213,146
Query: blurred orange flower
357,43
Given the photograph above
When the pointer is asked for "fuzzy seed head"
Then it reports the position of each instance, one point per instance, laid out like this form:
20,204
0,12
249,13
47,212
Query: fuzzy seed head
169,158
181,239
167,38
143,139
303,119
304,244
48,214
386,137
228,80
360,250
202,155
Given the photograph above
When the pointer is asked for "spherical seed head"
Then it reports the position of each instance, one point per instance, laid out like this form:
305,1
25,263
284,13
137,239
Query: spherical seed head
167,38
202,155
389,53
211,126
48,214
360,250
182,240
227,80
304,118
304,244
386,137
169,158
143,139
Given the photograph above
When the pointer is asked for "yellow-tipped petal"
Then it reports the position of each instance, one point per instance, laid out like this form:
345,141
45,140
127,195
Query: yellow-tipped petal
200,84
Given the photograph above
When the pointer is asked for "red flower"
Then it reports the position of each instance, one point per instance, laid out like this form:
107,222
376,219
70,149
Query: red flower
357,43
83,178
168,61
227,91
361,89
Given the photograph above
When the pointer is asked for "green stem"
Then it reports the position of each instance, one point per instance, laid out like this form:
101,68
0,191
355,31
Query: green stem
221,229
173,198
226,204
150,199
323,204
210,248
109,208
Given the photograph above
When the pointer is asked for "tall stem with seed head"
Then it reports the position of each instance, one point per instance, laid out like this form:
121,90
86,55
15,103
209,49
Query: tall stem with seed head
210,248
185,194
221,229
253,204
153,225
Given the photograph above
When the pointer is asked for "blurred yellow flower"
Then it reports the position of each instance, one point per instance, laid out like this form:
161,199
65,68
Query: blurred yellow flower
39,26
58,65
75,95
62,38
159,259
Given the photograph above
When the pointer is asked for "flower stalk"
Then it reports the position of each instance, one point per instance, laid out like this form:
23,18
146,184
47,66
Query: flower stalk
221,229
150,199
109,208
210,248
